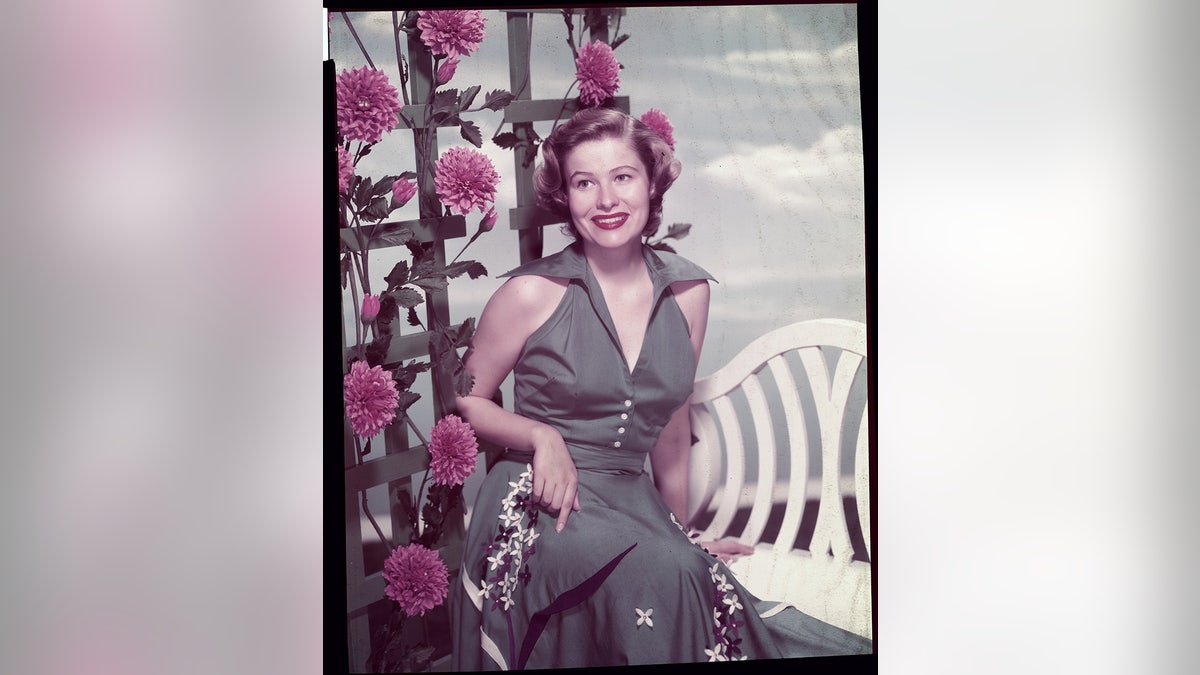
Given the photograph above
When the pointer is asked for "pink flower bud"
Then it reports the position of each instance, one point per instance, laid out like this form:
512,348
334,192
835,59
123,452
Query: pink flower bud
370,308
489,220
446,70
403,190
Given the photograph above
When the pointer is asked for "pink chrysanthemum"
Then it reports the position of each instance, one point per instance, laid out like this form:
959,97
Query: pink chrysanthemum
452,451
416,578
345,170
465,179
367,104
371,398
656,120
453,32
598,73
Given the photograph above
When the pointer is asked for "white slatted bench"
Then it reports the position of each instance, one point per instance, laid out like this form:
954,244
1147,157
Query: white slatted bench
825,578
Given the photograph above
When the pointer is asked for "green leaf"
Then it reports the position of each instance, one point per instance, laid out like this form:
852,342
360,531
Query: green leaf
617,43
383,187
467,97
463,382
433,283
377,210
362,192
388,311
377,350
506,140
439,344
471,133
407,374
462,337
347,265
423,263
408,175
471,267
446,101
408,298
678,230
498,99
476,270
406,399
398,276
662,247
413,319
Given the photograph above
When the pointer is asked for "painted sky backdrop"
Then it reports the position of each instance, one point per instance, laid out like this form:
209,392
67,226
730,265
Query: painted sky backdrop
765,104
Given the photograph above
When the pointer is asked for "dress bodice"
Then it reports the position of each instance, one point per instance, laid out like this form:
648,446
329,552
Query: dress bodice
572,374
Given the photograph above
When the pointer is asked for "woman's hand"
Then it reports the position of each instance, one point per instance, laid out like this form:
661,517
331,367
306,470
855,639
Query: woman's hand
726,550
555,481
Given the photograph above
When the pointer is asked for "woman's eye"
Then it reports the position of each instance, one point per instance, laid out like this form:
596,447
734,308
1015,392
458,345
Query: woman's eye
624,177
581,184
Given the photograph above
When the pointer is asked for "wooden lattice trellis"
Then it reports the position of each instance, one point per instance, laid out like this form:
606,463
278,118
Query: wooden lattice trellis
401,460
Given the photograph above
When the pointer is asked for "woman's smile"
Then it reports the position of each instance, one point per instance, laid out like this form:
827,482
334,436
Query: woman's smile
610,222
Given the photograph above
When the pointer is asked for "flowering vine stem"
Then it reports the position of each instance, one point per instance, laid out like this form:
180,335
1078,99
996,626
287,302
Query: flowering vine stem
363,493
563,107
358,336
400,58
353,32
425,442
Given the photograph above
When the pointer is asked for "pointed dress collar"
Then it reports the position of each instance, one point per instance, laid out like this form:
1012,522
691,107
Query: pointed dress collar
570,263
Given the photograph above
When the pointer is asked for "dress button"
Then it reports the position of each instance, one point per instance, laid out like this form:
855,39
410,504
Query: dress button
621,430
617,444
628,403
624,416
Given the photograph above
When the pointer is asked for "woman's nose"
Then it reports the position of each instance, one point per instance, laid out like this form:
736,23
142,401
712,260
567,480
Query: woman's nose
606,197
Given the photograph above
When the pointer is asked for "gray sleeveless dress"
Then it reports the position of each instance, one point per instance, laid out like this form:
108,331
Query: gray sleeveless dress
622,583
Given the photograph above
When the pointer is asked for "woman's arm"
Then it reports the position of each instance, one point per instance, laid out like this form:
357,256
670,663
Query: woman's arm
510,317
669,459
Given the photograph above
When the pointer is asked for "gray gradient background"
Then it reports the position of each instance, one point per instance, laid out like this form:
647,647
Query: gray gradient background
1037,319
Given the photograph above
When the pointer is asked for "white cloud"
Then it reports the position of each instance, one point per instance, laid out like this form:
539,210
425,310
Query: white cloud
828,175
785,67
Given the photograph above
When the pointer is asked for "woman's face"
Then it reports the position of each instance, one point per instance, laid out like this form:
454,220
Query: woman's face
608,192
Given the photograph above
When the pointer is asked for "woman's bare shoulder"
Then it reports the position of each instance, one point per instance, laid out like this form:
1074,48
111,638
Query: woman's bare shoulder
691,293
525,302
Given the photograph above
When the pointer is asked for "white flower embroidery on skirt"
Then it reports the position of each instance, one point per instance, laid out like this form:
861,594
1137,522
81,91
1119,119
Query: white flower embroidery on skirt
644,618
725,623
507,555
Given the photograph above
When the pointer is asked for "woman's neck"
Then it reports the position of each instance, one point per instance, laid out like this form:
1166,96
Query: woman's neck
625,263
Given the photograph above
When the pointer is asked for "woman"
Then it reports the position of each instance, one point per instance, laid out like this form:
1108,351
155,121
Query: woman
575,556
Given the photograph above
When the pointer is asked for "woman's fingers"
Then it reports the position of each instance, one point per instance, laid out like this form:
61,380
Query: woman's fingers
569,497
539,484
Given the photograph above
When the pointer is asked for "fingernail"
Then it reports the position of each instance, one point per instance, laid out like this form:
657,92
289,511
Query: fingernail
558,528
